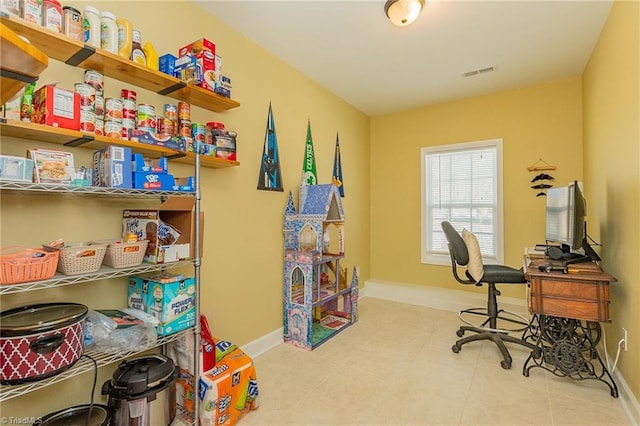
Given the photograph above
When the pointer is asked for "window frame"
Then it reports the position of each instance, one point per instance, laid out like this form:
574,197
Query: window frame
443,258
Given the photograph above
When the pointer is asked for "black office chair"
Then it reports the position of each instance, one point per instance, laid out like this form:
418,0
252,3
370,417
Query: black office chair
492,275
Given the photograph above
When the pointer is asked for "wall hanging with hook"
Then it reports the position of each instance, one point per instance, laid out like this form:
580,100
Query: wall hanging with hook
542,180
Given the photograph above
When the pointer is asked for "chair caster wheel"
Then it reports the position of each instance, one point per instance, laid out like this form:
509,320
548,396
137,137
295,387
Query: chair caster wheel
455,349
525,373
504,364
460,333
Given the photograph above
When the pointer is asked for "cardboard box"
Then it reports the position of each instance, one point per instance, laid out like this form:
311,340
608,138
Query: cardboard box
17,169
172,302
56,107
199,46
52,166
204,51
149,165
184,184
167,64
187,69
172,142
113,167
163,247
153,180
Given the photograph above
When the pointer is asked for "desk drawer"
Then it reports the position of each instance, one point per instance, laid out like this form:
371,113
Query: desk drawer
590,291
568,308
584,300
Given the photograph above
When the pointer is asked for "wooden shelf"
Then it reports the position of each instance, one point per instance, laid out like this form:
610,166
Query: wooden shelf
73,52
21,63
59,136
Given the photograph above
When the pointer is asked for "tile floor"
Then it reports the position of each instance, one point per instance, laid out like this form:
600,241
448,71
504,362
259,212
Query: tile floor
395,367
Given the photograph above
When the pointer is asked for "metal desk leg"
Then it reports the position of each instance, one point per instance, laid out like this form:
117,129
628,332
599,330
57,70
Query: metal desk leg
568,348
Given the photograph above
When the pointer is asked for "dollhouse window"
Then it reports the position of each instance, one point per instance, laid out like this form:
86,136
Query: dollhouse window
296,293
308,238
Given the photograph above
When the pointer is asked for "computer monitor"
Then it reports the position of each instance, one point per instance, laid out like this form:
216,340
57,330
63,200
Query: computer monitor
565,220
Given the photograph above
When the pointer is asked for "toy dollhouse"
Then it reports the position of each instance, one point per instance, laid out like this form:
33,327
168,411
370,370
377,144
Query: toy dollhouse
318,302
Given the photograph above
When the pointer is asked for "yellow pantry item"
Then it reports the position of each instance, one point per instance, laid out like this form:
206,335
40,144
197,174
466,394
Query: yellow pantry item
152,56
125,38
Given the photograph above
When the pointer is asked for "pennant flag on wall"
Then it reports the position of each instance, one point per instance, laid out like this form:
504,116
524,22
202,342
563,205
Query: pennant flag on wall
336,178
309,175
270,178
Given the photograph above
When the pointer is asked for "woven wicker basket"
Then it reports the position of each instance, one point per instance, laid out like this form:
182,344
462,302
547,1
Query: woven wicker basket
125,255
79,258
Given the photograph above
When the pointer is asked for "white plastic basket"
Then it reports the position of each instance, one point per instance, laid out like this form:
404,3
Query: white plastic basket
125,255
80,257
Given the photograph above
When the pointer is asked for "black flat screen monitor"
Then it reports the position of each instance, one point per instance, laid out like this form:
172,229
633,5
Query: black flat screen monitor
565,221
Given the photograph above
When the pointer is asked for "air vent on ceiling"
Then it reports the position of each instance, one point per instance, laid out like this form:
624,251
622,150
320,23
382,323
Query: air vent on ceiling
478,71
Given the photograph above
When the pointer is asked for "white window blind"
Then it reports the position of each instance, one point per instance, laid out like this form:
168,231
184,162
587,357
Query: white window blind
462,184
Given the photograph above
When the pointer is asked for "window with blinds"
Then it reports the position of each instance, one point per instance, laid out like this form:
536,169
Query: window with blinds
462,184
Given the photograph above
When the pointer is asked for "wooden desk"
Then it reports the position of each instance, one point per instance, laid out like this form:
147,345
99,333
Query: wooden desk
567,311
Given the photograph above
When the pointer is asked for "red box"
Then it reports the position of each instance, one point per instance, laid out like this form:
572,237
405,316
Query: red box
197,47
56,107
205,53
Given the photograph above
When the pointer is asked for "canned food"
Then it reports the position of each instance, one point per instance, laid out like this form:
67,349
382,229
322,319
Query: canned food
166,126
52,15
31,11
147,117
184,111
113,109
113,129
127,124
87,95
184,128
99,126
87,121
72,23
171,111
198,131
95,79
99,106
130,114
128,99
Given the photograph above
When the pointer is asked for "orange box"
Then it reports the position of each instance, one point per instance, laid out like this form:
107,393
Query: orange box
56,107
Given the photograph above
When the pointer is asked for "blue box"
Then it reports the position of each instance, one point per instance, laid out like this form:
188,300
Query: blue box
167,64
113,167
150,165
171,142
184,184
150,180
187,69
170,299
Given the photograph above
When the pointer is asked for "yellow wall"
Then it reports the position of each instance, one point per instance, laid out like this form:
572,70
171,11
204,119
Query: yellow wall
540,122
611,87
242,264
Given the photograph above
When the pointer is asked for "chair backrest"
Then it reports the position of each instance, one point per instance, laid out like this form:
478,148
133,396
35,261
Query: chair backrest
457,247
457,250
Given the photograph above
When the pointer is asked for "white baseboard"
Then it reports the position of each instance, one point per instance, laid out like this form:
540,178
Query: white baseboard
264,343
437,297
628,400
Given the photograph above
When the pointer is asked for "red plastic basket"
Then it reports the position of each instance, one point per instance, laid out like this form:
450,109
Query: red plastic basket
21,265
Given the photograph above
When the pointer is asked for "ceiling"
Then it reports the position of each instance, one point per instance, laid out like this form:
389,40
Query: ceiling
351,48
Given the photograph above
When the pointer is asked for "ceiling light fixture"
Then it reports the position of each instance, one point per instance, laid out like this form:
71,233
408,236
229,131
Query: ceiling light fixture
403,12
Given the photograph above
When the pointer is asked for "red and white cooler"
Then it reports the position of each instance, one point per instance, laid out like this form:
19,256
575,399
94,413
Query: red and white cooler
40,341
